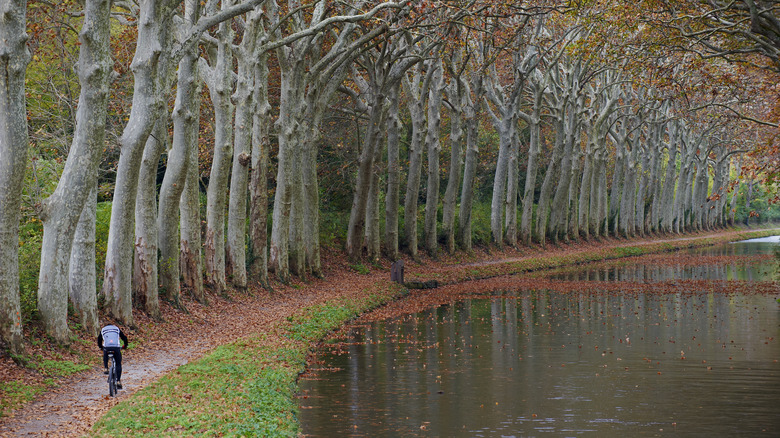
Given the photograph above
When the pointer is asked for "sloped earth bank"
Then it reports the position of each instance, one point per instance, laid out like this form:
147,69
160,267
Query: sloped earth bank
75,403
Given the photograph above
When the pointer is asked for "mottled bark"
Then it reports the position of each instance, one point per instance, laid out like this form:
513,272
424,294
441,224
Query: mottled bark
416,90
546,191
393,173
13,149
469,166
360,212
153,36
145,273
83,273
190,263
258,189
433,146
219,80
186,115
456,94
242,150
61,212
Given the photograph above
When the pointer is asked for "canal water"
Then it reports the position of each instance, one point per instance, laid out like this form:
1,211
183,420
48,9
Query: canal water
682,344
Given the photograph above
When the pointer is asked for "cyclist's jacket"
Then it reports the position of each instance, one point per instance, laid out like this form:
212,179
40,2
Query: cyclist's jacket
109,337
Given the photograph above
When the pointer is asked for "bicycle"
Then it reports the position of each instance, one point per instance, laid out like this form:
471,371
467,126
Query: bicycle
111,375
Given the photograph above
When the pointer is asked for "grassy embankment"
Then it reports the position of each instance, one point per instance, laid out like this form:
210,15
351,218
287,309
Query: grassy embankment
247,388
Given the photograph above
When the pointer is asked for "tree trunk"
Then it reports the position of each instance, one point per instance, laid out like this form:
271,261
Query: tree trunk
559,211
433,145
574,191
585,190
602,209
220,83
393,174
628,198
242,150
546,191
667,193
593,213
258,190
13,149
512,183
416,104
63,209
83,274
145,278
186,114
735,188
190,263
469,168
290,105
618,177
359,213
373,241
153,32
457,99
504,127
532,169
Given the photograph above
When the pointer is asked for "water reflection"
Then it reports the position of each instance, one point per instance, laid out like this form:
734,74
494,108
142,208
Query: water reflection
534,362
745,261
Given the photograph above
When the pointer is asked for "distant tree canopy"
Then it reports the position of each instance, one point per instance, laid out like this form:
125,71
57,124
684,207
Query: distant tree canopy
231,135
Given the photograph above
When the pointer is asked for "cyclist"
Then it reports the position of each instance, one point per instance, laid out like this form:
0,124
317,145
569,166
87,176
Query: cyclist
108,341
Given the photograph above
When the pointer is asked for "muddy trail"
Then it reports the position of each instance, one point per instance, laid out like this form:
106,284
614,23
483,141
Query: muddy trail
77,402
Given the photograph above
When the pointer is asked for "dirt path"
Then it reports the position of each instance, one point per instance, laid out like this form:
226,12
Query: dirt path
72,408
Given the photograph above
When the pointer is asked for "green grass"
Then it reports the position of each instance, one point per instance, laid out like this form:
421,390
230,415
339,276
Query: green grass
360,268
13,394
60,368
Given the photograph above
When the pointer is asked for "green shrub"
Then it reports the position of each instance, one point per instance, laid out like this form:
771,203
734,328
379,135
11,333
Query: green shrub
30,238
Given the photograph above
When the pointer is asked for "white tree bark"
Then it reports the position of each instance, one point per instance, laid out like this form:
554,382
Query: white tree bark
83,273
13,148
470,163
393,173
456,93
242,150
190,260
145,273
219,80
186,114
433,145
60,213
377,97
538,85
361,213
667,193
258,189
504,115
153,33
416,90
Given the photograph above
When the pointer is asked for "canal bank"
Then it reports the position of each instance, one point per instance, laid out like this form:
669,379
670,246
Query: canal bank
247,386
264,378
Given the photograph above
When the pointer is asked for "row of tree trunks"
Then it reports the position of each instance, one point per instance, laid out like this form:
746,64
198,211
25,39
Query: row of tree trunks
72,205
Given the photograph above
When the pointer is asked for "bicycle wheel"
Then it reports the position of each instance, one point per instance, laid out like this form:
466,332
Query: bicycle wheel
112,379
